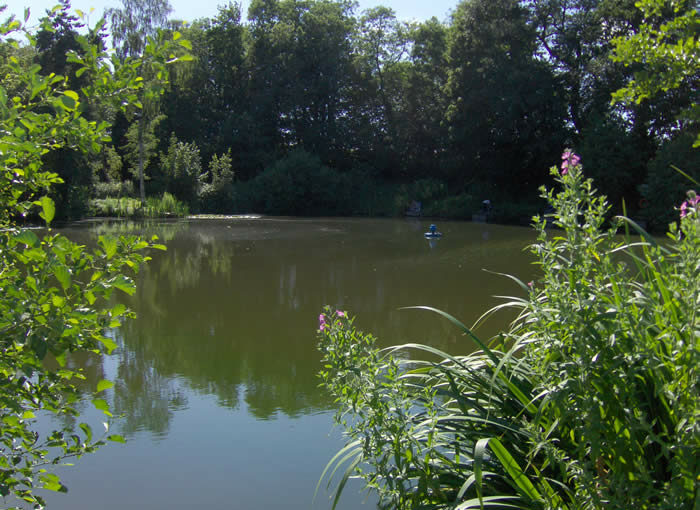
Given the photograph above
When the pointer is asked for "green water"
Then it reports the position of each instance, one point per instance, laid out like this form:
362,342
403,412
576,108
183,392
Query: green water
216,378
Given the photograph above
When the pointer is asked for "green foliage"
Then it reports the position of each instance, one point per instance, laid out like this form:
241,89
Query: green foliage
122,207
216,193
504,112
135,22
299,185
588,401
664,186
113,189
141,145
614,161
615,346
182,168
425,191
166,205
55,294
665,52
418,427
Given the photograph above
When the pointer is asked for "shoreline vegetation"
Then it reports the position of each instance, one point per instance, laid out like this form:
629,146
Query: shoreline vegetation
588,401
380,117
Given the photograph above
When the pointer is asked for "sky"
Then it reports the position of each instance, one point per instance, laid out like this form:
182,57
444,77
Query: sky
189,10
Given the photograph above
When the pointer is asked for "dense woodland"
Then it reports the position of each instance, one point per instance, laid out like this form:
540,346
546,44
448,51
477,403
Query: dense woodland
309,107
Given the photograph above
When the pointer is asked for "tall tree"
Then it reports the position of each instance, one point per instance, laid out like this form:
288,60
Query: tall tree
381,48
299,62
504,115
421,128
206,103
133,25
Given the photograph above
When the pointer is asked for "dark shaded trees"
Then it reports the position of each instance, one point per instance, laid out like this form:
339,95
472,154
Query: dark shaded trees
207,99
505,114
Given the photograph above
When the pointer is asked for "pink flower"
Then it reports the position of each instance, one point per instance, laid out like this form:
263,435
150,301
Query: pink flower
321,322
689,205
569,160
340,313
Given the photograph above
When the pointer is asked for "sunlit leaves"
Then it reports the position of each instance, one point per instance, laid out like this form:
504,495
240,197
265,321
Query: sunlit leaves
665,53
55,293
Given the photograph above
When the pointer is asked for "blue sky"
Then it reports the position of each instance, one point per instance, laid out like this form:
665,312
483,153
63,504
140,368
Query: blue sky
192,9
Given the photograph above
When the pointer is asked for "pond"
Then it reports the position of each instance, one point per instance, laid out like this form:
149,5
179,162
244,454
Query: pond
216,378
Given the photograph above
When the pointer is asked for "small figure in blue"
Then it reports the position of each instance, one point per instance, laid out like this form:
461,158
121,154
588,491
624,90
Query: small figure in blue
433,232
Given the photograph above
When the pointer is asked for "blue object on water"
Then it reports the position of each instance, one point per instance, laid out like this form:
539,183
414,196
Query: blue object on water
433,232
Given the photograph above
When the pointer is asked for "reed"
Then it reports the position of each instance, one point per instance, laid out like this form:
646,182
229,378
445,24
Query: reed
156,207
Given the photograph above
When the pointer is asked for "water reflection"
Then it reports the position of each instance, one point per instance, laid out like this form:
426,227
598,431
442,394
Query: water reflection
228,314
229,309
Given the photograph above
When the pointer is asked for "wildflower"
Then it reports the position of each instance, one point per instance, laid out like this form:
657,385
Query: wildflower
340,313
569,160
321,322
690,205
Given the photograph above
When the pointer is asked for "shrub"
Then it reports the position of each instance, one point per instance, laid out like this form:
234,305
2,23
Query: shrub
299,185
182,167
216,192
588,401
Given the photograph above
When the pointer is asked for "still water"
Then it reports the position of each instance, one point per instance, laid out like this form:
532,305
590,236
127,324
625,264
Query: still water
216,378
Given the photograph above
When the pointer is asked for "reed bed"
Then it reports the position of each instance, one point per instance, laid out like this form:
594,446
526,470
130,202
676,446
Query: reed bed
125,207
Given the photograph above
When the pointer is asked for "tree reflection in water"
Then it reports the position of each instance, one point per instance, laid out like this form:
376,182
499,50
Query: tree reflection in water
229,309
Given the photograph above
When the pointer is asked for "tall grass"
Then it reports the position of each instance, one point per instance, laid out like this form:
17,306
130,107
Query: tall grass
165,206
589,400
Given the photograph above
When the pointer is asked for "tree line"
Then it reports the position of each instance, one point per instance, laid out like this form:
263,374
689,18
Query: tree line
309,107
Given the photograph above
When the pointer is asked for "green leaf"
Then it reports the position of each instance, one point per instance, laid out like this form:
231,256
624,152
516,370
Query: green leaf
62,275
87,430
104,384
523,483
61,359
71,94
118,310
116,438
67,102
109,245
108,343
48,209
101,405
51,482
124,284
27,237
